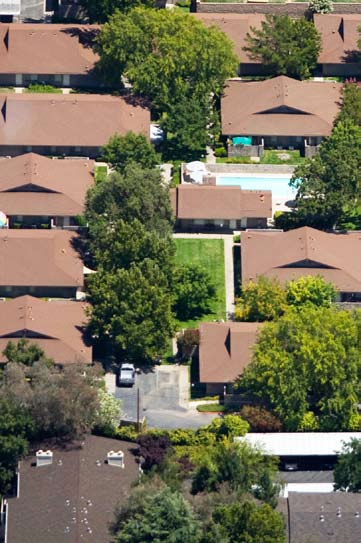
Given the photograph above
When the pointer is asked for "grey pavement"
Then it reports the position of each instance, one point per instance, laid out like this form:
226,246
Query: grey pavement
228,265
163,399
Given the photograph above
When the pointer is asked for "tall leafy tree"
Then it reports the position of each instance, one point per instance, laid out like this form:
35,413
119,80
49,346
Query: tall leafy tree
285,46
347,473
306,366
131,310
15,425
351,104
135,195
151,49
310,290
329,185
193,291
99,11
120,244
250,522
261,300
120,151
161,516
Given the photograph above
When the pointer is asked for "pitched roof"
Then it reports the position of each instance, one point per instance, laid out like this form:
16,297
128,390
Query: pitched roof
225,349
67,119
235,26
303,251
47,48
32,184
323,517
74,498
39,258
339,34
212,202
279,107
56,326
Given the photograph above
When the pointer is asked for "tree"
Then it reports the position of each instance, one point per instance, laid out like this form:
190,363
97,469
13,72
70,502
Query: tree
24,352
121,244
320,6
194,291
161,516
120,151
261,300
251,523
351,103
285,46
99,11
131,308
260,420
229,426
63,404
15,425
150,48
136,195
153,449
347,473
244,468
310,290
109,412
329,185
308,362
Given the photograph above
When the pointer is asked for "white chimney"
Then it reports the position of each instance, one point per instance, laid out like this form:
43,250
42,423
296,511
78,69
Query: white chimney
116,459
44,458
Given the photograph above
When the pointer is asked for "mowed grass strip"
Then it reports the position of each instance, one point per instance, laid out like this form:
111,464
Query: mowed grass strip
208,253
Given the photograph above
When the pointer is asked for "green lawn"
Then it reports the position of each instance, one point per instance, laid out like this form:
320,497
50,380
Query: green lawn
282,157
100,173
208,253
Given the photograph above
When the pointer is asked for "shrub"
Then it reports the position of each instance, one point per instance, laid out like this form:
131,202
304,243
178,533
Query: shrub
154,449
187,342
181,437
237,238
38,87
320,6
260,420
229,426
220,152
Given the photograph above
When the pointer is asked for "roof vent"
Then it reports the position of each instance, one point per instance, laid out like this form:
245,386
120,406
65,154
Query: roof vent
43,458
116,459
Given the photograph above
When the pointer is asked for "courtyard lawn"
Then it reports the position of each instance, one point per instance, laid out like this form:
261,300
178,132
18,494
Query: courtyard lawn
287,156
100,173
208,253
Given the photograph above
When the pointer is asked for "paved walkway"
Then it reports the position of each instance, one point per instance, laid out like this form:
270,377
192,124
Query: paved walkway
228,265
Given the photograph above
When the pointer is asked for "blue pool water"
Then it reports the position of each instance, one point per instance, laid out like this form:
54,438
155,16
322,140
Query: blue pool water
278,185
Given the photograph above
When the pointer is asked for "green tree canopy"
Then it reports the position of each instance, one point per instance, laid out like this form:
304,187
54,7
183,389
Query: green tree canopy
329,185
136,195
131,309
247,522
24,352
120,151
121,244
261,300
151,49
161,516
15,425
62,404
347,473
306,367
310,290
351,104
193,291
98,11
285,46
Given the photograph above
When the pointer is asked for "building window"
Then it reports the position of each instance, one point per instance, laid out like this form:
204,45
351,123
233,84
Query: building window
58,78
29,148
33,77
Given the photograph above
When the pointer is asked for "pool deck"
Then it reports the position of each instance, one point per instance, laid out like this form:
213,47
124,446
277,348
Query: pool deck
231,169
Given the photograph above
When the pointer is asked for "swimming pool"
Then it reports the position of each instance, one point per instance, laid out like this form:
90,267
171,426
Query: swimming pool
277,183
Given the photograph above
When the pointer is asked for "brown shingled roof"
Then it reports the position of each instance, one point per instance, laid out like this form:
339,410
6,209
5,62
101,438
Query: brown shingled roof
39,258
303,251
56,326
212,202
323,517
279,107
85,120
339,34
47,48
32,184
235,26
225,349
74,498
